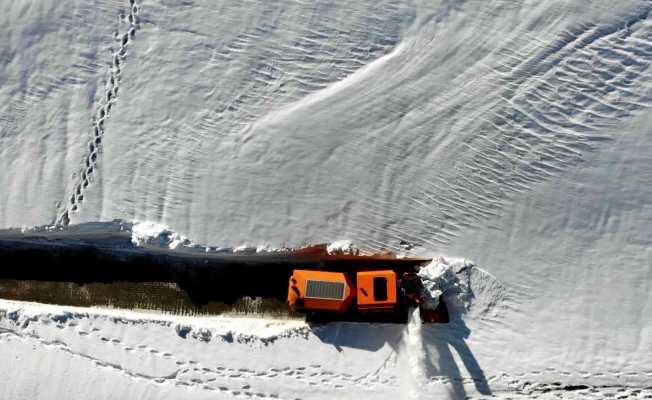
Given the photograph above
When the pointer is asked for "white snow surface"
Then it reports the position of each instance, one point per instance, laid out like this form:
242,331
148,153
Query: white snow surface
342,246
464,287
517,133
153,233
440,276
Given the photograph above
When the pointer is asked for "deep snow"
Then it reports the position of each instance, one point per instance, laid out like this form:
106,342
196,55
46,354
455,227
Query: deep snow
514,133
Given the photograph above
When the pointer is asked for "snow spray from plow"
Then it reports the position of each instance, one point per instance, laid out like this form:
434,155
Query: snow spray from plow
415,373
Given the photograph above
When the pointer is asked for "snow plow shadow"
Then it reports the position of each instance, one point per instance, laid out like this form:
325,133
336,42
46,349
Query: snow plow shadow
440,342
440,361
358,335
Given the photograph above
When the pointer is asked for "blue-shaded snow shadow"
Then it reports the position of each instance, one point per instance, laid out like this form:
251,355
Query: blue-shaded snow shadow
359,335
439,341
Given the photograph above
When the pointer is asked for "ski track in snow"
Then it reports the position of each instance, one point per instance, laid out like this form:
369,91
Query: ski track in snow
94,146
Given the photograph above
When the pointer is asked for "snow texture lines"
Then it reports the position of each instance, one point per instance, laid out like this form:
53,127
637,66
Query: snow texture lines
314,56
57,79
556,105
106,102
286,53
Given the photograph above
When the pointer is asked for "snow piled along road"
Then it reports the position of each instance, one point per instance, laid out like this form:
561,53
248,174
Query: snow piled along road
118,353
515,133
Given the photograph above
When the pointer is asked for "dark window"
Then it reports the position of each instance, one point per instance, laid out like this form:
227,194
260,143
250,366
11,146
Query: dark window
380,289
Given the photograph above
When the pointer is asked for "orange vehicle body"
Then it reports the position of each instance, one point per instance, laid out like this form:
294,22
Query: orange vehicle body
319,290
376,290
337,292
359,287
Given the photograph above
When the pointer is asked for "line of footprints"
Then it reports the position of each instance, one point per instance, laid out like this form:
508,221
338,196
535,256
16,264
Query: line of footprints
103,110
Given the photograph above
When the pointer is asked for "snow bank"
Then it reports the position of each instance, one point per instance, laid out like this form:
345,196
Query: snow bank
147,233
438,277
152,233
462,284
250,331
342,247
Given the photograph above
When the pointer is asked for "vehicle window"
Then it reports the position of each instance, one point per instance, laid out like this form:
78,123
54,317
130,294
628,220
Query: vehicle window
380,289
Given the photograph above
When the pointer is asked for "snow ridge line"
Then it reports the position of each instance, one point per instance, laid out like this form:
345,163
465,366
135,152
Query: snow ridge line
273,74
106,102
556,110
301,70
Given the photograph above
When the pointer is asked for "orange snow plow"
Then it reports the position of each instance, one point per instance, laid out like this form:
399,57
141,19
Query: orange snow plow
358,287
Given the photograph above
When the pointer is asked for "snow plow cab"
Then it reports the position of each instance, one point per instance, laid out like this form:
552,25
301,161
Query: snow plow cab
358,288
335,291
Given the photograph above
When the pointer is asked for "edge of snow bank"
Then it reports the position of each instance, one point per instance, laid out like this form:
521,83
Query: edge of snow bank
227,328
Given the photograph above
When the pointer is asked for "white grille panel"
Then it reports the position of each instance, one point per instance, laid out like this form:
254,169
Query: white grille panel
324,290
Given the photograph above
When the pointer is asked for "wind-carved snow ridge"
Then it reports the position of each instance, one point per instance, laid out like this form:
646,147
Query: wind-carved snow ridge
464,287
556,104
276,62
312,59
106,102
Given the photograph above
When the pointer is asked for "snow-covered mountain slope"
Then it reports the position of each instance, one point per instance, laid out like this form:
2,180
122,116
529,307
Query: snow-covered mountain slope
288,122
514,133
